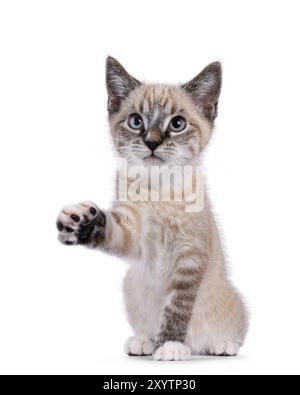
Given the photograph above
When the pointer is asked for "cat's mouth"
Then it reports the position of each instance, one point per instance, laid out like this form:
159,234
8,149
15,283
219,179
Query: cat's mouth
152,158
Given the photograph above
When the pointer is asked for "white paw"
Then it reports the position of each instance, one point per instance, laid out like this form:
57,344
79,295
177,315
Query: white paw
229,349
139,345
172,351
76,222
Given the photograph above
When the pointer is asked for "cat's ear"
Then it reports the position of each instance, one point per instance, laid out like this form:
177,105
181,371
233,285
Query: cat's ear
119,84
205,89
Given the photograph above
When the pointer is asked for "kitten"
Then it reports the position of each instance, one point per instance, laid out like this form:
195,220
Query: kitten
177,294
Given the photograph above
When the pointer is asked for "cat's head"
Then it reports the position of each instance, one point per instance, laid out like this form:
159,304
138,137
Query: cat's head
153,124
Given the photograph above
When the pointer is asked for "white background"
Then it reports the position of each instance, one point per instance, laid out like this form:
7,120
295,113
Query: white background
61,308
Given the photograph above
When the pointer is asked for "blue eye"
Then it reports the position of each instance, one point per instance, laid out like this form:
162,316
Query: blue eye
135,121
177,124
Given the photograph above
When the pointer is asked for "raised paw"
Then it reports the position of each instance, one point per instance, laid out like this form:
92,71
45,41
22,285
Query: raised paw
77,223
172,351
139,345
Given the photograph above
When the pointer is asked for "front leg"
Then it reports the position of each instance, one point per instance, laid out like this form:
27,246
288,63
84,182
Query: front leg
115,231
177,313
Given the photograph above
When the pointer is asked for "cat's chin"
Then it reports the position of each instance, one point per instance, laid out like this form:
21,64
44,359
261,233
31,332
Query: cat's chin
153,160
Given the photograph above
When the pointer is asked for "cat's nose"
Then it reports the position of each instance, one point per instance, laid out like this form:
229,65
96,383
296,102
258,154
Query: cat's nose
152,145
153,139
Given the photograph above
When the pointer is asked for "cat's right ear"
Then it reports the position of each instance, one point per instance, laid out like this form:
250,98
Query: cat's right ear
119,84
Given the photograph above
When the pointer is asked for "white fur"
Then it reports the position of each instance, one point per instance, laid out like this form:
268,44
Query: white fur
172,351
139,345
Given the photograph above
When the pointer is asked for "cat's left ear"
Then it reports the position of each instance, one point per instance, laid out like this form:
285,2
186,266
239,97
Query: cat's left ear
205,89
119,84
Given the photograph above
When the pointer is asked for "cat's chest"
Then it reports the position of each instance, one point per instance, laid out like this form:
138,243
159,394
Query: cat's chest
161,232
164,220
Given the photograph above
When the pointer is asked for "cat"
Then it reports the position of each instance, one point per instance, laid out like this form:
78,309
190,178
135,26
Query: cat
178,298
